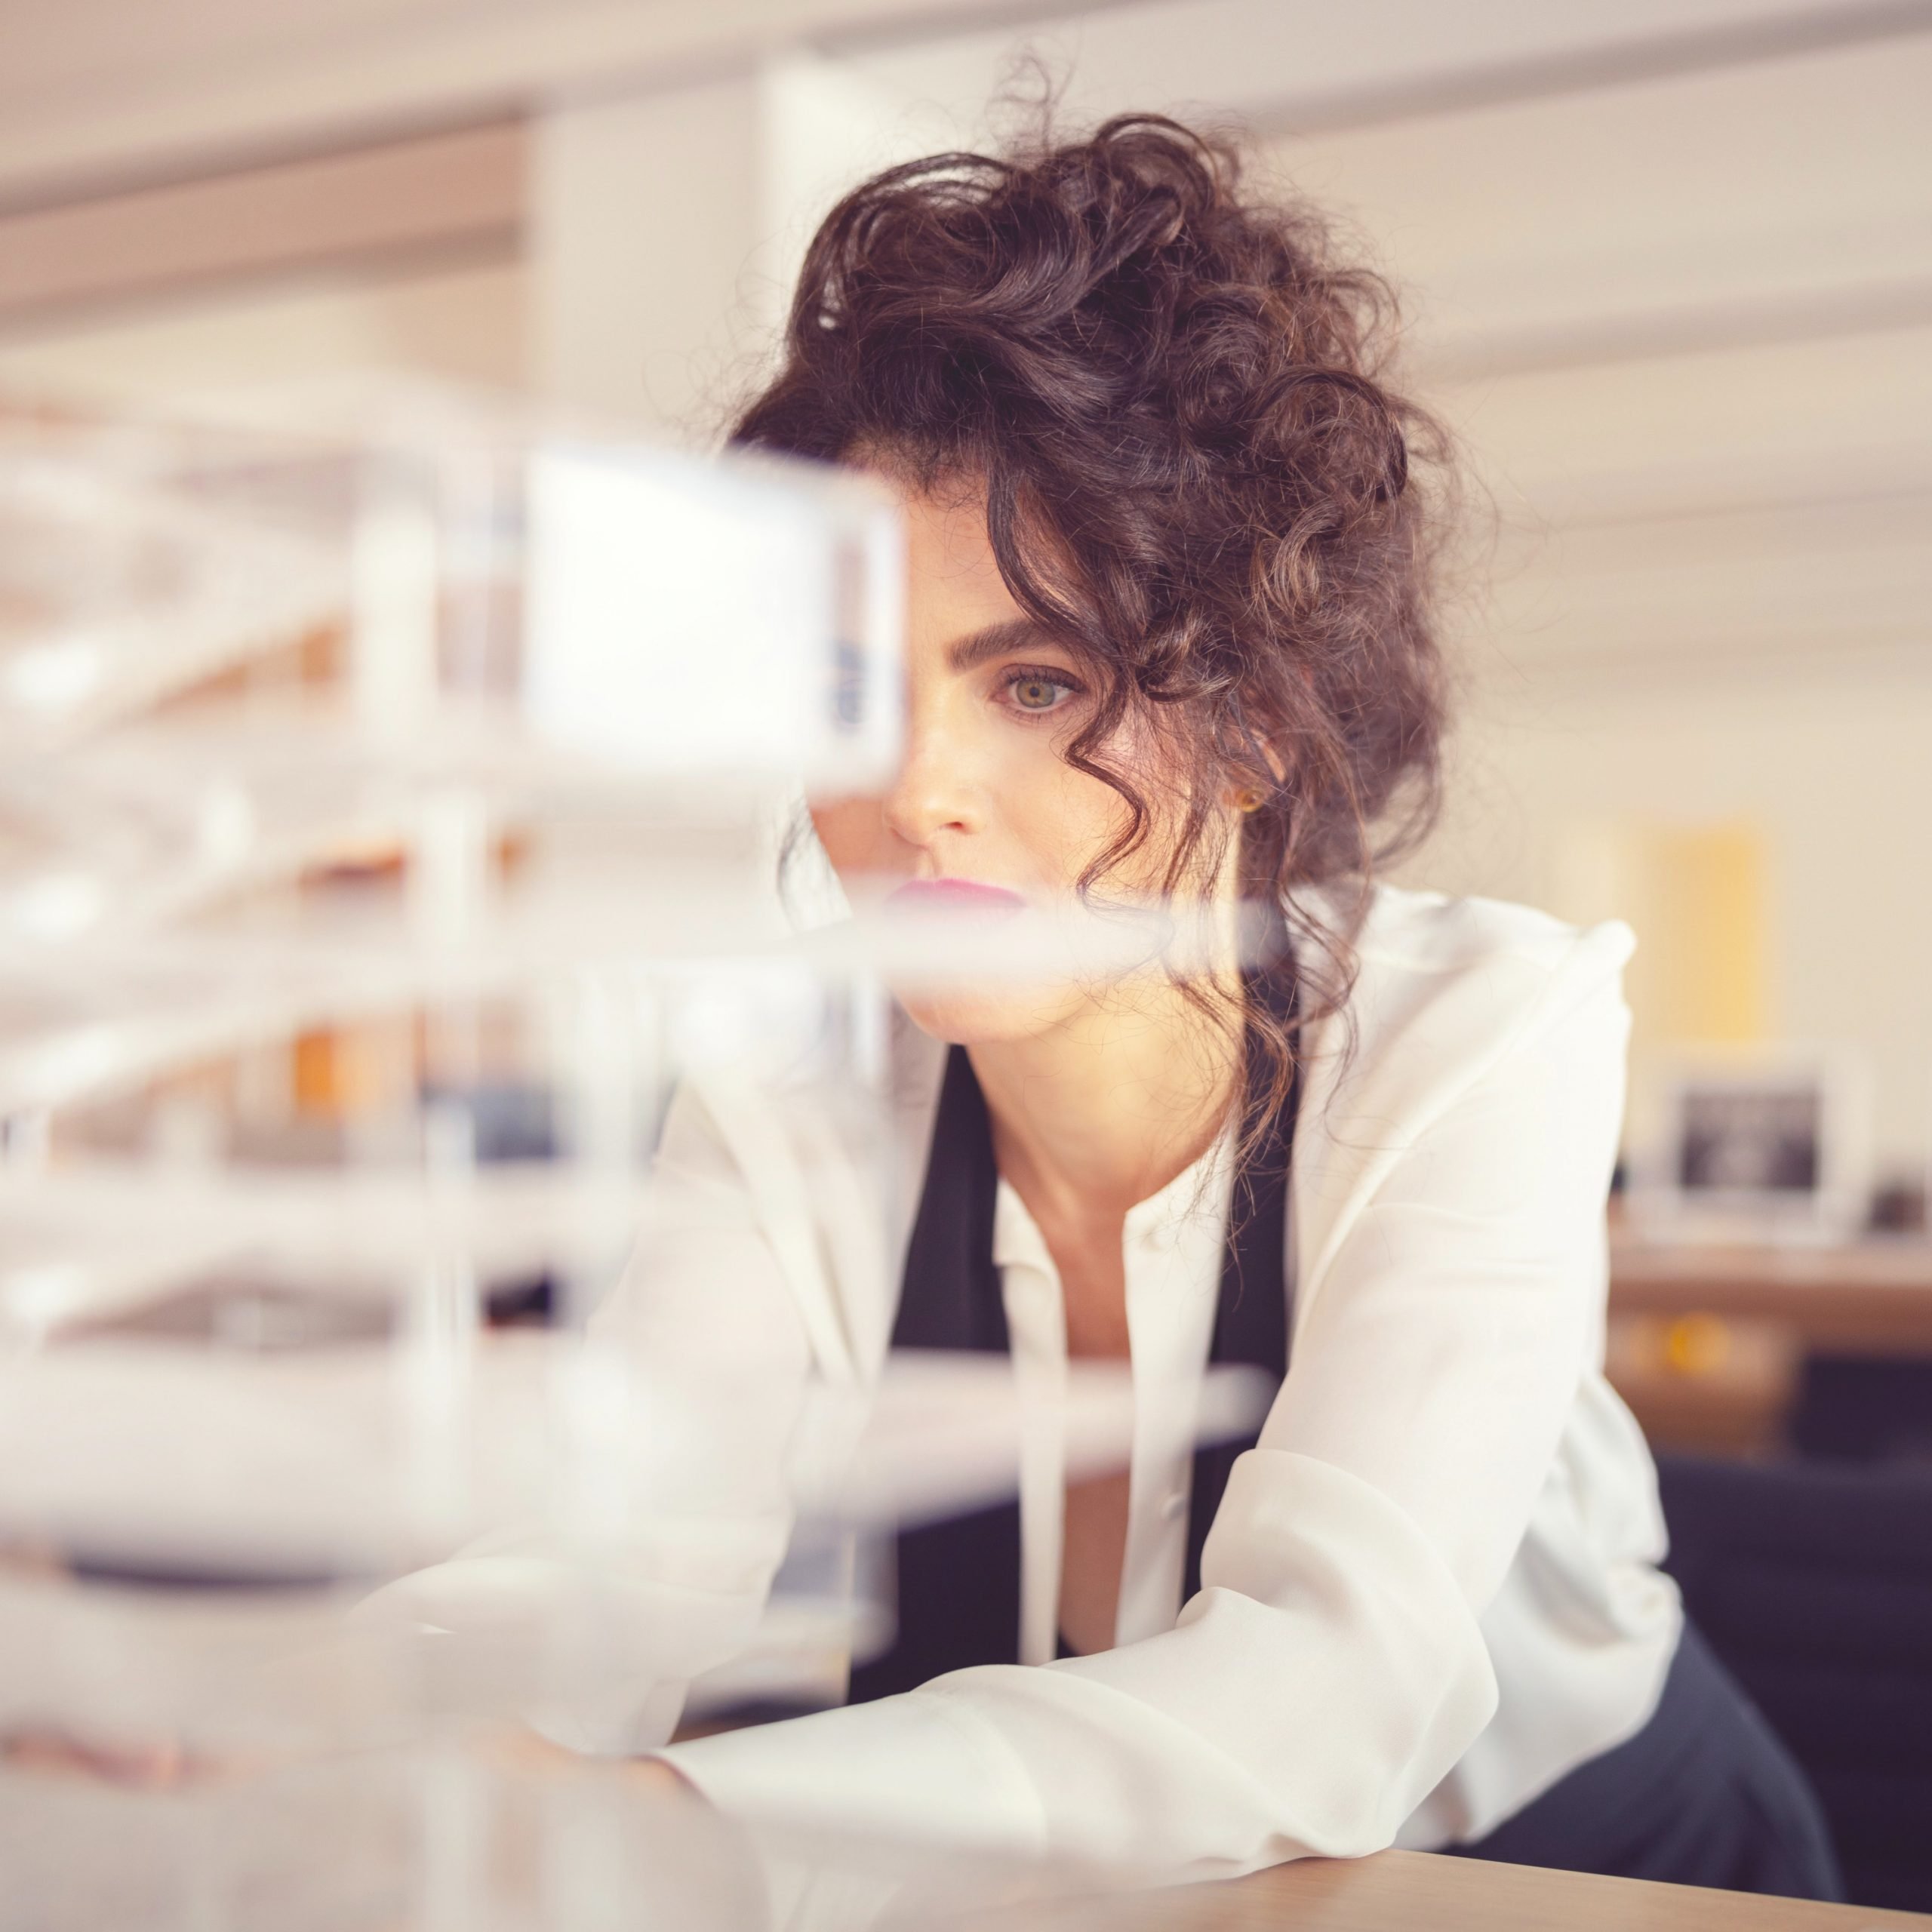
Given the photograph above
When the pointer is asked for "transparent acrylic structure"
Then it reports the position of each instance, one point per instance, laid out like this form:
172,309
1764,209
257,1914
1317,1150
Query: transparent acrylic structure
391,826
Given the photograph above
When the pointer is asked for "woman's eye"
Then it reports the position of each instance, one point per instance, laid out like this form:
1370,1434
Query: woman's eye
1032,691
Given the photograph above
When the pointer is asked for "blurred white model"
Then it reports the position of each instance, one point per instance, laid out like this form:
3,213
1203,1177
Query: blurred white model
390,825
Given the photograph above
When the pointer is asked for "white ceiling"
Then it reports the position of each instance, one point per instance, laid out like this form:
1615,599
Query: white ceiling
96,90
104,90
1670,261
1685,324
1668,267
1308,62
1544,229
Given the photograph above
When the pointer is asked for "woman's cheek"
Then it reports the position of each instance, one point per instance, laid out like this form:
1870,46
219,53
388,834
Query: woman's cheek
1069,819
1033,807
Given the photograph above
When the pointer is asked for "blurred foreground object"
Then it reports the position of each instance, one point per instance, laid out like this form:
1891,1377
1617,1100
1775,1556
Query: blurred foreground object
385,832
390,826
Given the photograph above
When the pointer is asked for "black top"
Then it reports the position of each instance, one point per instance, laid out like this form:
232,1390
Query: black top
959,1581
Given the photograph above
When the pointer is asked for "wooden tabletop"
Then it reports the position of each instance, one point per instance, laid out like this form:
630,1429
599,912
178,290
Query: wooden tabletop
1868,1297
1410,1891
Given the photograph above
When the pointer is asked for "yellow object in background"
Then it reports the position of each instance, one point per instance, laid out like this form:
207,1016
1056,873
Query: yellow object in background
1697,897
1708,938
1697,1344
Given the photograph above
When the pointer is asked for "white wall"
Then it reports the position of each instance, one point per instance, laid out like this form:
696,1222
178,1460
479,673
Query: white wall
644,221
667,227
1835,769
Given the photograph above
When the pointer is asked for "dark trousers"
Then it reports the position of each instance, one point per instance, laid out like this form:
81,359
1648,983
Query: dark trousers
1703,1795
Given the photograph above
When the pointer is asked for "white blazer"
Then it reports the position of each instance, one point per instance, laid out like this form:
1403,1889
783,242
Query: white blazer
1430,1591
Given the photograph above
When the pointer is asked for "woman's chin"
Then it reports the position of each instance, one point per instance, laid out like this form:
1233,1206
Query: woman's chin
984,1018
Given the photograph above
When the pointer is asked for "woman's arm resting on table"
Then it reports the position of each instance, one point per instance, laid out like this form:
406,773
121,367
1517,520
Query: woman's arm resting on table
706,1318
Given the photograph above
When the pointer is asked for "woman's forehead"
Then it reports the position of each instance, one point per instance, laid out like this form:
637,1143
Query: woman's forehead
954,577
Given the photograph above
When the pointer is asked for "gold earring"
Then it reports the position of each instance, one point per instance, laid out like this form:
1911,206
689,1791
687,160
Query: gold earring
1247,800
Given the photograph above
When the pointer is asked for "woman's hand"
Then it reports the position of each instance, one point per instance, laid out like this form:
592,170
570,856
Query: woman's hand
523,1749
653,1774
142,1764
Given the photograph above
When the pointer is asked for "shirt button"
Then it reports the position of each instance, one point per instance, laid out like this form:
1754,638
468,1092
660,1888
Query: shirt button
1174,1506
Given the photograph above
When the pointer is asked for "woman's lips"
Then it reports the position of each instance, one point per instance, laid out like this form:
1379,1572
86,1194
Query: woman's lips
955,895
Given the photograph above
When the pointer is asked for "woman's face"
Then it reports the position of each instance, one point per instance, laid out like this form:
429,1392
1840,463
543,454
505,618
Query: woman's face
985,798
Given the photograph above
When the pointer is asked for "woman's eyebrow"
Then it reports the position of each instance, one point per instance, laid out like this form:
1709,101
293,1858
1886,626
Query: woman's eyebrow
994,640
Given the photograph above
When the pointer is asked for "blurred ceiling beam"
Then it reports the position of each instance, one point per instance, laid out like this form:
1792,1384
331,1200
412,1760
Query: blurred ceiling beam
96,93
1787,201
456,194
1690,49
1299,66
1806,316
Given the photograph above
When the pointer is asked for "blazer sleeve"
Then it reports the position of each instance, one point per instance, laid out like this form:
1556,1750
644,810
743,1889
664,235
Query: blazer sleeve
1332,1669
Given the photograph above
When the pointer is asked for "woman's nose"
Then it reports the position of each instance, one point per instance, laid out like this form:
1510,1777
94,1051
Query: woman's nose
935,791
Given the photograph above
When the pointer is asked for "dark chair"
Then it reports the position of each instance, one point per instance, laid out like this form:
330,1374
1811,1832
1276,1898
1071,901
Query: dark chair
1864,1409
1813,1584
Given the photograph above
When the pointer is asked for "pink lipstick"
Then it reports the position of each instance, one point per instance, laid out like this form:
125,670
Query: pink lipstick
955,895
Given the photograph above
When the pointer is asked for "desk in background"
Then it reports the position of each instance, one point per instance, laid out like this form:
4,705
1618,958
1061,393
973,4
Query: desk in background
1708,1345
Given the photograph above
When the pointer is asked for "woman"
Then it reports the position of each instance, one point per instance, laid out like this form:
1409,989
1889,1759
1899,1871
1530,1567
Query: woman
1172,633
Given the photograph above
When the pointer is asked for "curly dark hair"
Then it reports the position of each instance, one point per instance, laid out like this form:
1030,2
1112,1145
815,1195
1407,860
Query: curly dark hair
1196,476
